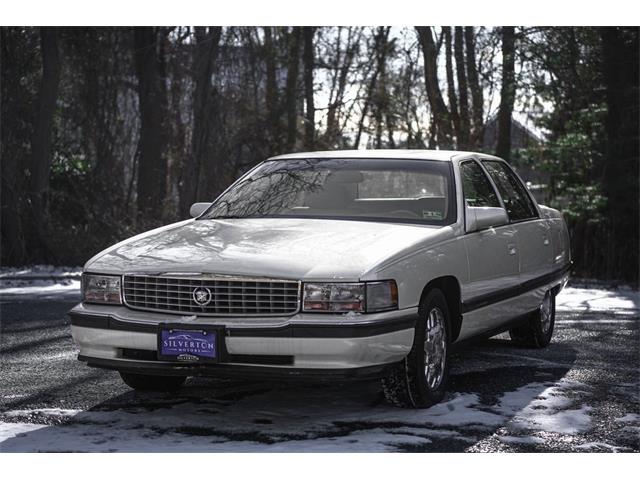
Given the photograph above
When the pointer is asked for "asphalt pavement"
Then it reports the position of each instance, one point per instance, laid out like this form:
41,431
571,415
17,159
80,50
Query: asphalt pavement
581,394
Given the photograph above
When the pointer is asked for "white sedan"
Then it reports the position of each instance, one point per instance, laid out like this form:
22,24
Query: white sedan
330,265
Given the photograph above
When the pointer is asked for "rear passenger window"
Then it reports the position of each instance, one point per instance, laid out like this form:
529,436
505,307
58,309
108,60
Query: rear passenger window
477,189
518,204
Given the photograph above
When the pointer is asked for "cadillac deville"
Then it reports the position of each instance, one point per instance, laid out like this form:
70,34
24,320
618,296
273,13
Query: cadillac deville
332,265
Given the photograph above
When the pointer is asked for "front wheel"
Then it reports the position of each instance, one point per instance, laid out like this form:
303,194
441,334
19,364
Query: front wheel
420,380
537,332
156,383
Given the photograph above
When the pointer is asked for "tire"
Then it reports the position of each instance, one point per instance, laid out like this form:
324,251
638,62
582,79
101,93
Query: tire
156,383
538,330
410,384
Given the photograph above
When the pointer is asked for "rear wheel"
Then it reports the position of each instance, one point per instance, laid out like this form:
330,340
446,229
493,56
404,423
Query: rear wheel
421,379
156,383
537,332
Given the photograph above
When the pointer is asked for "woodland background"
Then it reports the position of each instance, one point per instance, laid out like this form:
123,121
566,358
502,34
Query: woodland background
107,132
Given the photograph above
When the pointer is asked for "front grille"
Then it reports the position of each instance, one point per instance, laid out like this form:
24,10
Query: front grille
225,295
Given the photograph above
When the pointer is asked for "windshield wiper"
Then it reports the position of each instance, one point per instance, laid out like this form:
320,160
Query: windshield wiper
224,217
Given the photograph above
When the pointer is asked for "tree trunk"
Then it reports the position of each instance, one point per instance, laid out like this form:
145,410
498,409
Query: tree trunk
620,173
441,116
507,93
477,102
200,173
271,93
13,151
380,100
463,138
333,129
152,166
291,97
389,120
40,168
310,110
100,97
451,86
379,45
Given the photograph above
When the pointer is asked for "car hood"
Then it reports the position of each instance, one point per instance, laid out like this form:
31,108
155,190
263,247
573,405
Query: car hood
268,247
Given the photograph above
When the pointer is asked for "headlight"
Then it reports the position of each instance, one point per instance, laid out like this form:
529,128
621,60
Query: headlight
101,288
350,297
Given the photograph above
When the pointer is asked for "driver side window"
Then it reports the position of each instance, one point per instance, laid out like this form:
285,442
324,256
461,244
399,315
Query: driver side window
476,187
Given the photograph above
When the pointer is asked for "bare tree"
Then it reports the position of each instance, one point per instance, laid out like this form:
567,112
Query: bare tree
152,164
379,51
342,66
12,184
507,93
620,176
441,117
463,136
41,157
477,101
293,68
201,169
310,110
272,101
451,86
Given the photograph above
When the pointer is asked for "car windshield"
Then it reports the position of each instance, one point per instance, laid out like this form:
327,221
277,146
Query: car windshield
414,191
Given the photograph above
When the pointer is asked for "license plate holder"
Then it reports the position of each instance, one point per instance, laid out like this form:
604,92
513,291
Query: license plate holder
190,343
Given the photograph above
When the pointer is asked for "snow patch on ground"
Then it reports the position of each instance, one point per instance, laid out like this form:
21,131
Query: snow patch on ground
306,419
568,422
629,418
43,412
525,440
39,287
13,430
597,300
40,281
549,410
600,447
28,272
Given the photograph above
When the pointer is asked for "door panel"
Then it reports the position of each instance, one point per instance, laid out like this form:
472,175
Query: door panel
533,233
493,267
492,255
536,255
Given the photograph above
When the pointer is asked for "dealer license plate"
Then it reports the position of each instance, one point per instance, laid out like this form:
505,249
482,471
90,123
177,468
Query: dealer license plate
188,345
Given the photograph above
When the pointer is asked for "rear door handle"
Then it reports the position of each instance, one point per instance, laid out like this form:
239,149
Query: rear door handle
511,248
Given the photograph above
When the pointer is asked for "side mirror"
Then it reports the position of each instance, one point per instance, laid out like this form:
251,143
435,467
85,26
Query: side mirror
479,218
198,208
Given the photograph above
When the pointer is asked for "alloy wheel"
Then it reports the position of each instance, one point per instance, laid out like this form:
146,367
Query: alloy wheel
435,348
545,313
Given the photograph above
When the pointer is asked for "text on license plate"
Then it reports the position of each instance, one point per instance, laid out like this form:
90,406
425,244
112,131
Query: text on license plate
176,342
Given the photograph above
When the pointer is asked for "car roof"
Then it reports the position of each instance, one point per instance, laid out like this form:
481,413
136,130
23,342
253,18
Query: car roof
442,155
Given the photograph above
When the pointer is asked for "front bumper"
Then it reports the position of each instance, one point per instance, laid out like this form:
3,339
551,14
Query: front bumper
303,345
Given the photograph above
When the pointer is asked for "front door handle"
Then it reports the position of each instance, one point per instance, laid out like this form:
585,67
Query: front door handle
511,248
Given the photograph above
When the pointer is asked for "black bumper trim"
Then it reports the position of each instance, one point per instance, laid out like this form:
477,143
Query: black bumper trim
222,370
136,354
351,330
507,293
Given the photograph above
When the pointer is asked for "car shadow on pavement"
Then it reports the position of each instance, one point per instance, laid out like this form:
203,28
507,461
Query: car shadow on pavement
494,366
492,383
